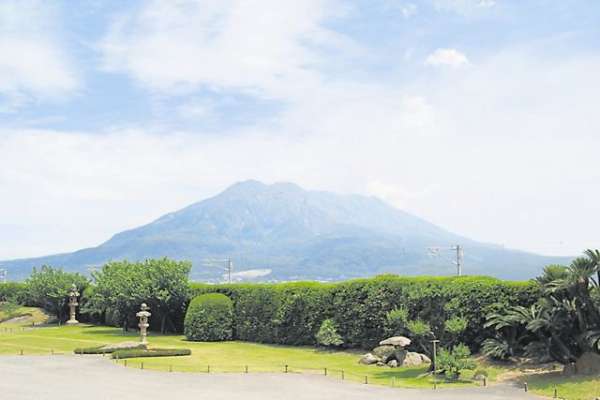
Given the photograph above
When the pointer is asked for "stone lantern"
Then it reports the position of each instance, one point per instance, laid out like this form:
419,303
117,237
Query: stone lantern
143,315
73,305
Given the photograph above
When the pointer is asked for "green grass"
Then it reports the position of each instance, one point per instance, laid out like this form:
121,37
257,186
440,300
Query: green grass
571,388
221,356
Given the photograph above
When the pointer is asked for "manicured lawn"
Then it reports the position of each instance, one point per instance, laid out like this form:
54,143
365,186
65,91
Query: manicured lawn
571,388
221,356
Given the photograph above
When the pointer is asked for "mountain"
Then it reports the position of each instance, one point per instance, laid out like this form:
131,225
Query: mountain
282,232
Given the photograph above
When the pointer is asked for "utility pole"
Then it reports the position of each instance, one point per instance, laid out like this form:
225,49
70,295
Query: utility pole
457,249
459,258
226,264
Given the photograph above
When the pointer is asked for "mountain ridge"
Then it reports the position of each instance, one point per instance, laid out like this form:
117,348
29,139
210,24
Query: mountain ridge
295,234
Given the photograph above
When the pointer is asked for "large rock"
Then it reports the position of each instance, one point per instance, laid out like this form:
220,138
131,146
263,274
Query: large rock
398,341
392,363
369,359
385,353
400,355
588,364
412,359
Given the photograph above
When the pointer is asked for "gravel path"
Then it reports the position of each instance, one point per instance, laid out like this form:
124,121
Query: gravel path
96,378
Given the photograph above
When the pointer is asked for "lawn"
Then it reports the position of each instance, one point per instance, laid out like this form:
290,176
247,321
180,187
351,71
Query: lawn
236,356
221,356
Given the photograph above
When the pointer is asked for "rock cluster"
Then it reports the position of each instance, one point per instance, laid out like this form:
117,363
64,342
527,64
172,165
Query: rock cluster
392,352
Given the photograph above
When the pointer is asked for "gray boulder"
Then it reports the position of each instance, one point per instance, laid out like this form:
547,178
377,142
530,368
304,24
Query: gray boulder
392,363
369,359
398,341
385,353
588,364
412,359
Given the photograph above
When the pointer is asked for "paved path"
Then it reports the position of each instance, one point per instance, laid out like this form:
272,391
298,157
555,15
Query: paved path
95,378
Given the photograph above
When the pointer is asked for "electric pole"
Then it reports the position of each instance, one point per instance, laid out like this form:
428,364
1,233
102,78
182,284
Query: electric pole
226,264
457,249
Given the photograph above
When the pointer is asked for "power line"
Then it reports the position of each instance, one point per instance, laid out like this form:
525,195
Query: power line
457,249
226,264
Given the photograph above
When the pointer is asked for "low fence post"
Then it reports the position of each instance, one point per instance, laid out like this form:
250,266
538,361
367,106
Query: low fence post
286,368
342,374
325,371
246,369
141,365
484,381
208,369
366,380
555,392
525,387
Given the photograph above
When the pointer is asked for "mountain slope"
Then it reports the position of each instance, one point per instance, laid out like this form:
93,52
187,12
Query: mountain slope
296,234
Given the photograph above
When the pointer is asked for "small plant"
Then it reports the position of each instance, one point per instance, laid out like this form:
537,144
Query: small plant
327,335
453,362
420,332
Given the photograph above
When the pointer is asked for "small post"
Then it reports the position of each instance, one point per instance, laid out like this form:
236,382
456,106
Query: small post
208,369
342,374
525,386
325,371
484,381
141,365
246,369
125,362
286,368
21,351
555,392
170,368
366,380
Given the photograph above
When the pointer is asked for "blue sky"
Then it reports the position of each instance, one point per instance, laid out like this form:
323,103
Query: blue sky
478,115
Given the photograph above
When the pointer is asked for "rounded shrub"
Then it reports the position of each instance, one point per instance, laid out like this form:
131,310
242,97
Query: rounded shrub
209,317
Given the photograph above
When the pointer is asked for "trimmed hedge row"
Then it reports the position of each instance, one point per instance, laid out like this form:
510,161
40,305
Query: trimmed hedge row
138,353
291,313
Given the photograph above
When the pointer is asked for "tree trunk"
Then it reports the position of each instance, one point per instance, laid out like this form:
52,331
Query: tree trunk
163,323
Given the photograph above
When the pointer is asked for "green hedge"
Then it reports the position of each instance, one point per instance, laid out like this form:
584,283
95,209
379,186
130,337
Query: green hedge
209,318
14,291
137,353
291,313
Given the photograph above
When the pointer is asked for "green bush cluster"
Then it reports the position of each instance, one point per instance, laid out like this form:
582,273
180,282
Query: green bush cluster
138,353
292,313
209,318
14,292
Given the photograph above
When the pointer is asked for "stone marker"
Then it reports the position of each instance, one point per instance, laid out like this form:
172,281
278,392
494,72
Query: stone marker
73,305
143,315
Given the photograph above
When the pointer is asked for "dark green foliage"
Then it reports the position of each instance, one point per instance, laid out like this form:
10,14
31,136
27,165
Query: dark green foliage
291,313
209,318
121,287
562,325
327,335
138,353
15,292
49,288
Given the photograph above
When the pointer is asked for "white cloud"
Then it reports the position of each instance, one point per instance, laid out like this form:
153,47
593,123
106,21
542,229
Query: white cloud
33,61
447,57
268,48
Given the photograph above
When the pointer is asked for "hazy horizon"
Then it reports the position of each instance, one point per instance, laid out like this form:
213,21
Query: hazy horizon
479,116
